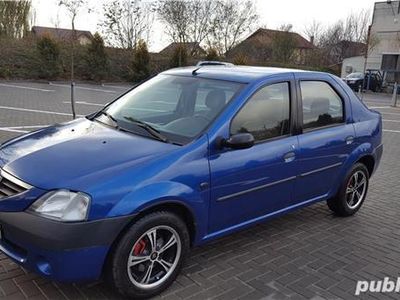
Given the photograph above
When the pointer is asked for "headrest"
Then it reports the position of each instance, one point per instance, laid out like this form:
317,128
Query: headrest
215,99
320,106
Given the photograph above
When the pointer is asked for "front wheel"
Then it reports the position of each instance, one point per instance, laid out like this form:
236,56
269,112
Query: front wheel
149,256
352,192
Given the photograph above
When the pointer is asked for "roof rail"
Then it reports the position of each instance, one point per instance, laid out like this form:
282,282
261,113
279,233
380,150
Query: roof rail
214,63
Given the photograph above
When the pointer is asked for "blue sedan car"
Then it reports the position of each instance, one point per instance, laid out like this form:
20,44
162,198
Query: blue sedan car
186,157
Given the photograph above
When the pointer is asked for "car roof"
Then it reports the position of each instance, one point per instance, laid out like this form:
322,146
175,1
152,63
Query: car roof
242,74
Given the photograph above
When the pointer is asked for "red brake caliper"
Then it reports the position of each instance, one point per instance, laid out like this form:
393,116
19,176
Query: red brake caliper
139,248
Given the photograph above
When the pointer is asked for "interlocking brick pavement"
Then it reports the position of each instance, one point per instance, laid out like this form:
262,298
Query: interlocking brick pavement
307,254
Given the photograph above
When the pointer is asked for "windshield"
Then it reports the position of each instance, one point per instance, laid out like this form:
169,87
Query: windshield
178,108
355,75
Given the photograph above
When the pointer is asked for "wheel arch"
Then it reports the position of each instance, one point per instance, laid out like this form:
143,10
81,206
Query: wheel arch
363,154
368,161
176,207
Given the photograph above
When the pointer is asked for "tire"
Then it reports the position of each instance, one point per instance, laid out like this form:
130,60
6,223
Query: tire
349,199
136,246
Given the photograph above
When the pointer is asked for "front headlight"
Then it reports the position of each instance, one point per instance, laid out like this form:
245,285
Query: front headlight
62,205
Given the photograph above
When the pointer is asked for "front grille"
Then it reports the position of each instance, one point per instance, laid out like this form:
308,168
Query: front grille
10,186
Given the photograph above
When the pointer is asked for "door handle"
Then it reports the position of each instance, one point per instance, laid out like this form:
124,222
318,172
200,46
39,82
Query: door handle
349,140
289,157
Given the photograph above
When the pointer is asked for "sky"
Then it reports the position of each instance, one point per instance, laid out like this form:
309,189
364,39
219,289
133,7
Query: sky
273,13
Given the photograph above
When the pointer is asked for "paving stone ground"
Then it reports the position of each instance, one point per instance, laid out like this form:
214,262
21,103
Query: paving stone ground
307,254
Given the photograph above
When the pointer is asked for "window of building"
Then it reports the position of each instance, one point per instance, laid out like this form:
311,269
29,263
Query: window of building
391,64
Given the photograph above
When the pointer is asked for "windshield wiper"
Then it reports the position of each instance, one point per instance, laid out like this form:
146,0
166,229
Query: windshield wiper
115,122
150,129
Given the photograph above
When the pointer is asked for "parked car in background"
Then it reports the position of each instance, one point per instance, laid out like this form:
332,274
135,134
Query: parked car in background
186,157
357,80
354,81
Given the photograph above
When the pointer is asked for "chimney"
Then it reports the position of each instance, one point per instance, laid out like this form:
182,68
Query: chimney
312,39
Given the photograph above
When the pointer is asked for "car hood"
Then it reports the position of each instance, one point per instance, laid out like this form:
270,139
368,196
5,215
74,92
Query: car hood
65,155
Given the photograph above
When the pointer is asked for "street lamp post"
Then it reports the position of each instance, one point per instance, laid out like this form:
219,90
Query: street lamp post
394,97
72,69
73,7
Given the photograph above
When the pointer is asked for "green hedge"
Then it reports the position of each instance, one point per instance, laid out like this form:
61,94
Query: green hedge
23,59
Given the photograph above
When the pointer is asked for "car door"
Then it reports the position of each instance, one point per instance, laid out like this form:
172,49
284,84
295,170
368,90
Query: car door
251,183
327,136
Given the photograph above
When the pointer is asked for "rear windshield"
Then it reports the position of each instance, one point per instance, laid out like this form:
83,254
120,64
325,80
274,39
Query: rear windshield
355,75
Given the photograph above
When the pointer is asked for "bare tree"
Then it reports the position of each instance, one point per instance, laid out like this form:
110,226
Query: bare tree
74,7
373,41
200,12
126,22
313,32
283,44
353,28
55,20
356,26
230,22
15,18
187,20
221,23
333,34
340,39
174,14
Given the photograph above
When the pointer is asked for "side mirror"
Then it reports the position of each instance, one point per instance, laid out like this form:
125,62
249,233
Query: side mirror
239,141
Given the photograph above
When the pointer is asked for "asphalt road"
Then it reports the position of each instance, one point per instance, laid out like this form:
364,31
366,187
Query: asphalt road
308,254
25,106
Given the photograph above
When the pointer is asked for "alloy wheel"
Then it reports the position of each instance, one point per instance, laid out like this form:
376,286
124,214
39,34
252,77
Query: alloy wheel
154,257
356,189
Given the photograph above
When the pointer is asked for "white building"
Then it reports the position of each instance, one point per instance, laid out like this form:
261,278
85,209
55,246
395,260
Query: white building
384,43
353,64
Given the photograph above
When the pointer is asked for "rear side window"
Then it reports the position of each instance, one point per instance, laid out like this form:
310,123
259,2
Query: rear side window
266,113
322,106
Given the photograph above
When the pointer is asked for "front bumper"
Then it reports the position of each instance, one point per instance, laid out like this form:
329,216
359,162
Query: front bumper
70,252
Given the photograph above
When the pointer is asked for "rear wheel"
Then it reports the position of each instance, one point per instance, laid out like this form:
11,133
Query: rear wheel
352,192
150,255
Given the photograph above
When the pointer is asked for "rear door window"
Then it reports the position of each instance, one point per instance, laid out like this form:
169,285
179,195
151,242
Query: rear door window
322,106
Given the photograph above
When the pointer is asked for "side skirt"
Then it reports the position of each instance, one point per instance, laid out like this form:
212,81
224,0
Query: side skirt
260,219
